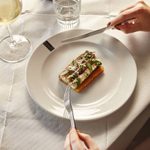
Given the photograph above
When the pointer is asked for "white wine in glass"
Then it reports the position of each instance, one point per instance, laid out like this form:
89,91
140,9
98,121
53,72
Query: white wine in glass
13,48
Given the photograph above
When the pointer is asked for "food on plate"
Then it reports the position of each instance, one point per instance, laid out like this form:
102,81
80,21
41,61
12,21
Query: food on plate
82,71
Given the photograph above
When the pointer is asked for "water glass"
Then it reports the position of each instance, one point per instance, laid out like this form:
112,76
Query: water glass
67,11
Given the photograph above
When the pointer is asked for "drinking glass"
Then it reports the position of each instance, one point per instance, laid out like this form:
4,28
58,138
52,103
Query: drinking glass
13,48
67,11
113,10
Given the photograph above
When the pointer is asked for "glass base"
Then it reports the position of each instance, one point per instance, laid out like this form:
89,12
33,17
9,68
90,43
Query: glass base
68,23
14,49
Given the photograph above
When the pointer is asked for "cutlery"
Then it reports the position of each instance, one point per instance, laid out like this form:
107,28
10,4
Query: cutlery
68,106
86,35
48,45
34,12
131,21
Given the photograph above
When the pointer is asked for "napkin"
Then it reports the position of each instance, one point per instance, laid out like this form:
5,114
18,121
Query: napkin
6,81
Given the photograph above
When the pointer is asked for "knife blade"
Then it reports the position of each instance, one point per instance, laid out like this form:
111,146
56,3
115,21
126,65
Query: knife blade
68,106
129,21
86,35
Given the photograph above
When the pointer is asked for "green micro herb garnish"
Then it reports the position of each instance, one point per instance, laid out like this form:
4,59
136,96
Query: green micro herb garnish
73,62
97,62
89,66
78,81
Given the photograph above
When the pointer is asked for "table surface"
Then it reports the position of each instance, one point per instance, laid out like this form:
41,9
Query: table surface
25,125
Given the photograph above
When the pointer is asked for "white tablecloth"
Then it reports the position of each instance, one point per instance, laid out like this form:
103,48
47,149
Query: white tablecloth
26,126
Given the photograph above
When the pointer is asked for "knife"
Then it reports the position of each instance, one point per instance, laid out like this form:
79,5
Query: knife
130,21
86,35
68,106
48,45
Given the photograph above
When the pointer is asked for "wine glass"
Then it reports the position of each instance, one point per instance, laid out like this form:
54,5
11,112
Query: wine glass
13,48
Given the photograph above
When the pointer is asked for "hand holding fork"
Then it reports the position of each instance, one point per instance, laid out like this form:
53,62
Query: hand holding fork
76,140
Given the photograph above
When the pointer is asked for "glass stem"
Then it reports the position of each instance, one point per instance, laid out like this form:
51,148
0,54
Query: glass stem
12,41
9,32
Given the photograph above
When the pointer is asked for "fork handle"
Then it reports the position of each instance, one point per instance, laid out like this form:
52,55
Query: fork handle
72,121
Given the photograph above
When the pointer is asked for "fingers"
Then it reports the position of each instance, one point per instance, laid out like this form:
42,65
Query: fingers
73,136
132,6
72,141
88,141
79,141
127,8
132,12
123,17
67,143
129,27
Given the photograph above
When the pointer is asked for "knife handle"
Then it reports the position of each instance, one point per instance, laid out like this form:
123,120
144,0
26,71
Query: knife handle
128,21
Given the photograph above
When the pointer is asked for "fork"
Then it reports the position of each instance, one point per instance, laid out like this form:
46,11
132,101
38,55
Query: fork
68,106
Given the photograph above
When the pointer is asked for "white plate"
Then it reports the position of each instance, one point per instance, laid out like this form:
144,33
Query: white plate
104,96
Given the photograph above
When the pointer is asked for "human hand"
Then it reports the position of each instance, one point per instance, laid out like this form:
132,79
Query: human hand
79,141
140,12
